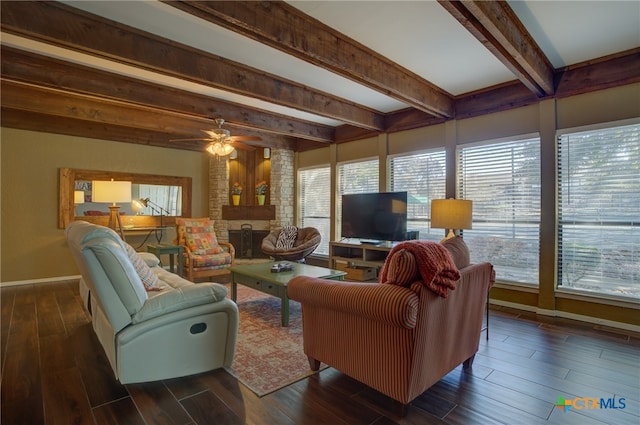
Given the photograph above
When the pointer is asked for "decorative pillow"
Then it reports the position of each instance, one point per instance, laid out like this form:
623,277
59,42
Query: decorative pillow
203,243
147,276
459,251
193,226
402,269
287,237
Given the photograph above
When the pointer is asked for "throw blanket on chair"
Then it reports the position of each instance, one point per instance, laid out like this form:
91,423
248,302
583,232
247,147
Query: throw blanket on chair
435,265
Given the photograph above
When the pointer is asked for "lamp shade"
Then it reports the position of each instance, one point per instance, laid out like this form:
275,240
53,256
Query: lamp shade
451,214
110,191
78,197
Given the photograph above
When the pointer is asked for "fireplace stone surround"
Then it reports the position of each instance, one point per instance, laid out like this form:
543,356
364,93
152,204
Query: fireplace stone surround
281,194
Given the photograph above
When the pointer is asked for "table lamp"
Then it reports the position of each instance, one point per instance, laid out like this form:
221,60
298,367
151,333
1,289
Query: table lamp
112,191
451,214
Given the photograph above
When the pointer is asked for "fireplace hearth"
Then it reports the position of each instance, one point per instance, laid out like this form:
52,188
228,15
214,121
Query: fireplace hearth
247,242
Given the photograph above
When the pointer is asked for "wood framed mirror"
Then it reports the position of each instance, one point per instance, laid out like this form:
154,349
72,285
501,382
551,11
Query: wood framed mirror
72,180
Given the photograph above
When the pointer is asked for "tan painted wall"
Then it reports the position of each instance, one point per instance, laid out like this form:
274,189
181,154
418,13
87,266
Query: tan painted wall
353,151
417,139
32,246
619,103
313,158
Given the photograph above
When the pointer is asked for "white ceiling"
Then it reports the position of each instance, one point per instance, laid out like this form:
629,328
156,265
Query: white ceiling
419,35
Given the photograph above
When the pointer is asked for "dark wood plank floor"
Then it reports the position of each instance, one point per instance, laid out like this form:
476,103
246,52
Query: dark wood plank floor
54,372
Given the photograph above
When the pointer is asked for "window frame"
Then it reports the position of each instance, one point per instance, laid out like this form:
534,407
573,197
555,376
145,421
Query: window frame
326,238
533,283
560,288
429,235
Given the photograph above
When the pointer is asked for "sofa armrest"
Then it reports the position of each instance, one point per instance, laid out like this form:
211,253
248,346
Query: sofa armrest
180,299
390,304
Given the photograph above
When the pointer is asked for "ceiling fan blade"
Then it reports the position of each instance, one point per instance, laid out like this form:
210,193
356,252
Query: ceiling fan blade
224,136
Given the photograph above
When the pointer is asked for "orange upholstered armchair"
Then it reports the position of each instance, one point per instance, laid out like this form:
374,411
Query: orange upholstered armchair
204,255
398,337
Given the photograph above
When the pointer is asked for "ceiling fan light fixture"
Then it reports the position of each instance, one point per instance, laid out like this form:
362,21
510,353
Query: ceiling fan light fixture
219,148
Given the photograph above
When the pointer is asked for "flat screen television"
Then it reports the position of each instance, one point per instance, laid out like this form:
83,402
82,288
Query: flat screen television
375,216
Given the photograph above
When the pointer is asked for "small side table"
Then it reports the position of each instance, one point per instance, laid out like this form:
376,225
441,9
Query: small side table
170,250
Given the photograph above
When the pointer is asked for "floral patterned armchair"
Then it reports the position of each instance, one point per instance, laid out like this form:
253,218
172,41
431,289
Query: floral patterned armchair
204,256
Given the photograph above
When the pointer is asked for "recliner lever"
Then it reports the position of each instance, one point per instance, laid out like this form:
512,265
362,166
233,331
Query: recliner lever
198,328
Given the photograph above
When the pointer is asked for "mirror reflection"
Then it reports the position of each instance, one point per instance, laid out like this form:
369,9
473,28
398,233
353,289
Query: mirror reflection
160,198
147,199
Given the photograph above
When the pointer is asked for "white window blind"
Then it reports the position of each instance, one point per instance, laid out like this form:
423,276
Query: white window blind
503,181
315,203
356,177
423,177
599,211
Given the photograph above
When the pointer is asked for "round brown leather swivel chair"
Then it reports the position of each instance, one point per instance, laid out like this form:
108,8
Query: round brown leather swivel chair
307,240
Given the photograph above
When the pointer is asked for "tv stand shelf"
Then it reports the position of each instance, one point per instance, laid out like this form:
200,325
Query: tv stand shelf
353,252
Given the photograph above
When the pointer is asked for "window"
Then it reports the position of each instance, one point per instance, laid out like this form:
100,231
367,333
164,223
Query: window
423,177
356,177
169,198
503,181
315,203
599,211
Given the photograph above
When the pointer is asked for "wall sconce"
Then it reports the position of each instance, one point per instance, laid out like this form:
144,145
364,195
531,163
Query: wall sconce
234,154
266,153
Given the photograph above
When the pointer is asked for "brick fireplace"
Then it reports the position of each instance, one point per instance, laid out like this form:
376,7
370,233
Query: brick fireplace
229,220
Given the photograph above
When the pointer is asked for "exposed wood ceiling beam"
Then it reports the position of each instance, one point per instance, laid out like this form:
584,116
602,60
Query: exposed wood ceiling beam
108,112
285,28
67,27
32,68
33,121
86,101
598,74
497,27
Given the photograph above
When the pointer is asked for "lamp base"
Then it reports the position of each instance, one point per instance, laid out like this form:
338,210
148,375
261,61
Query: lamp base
450,235
114,220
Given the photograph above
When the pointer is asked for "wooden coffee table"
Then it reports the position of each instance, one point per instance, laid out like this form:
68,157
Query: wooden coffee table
260,277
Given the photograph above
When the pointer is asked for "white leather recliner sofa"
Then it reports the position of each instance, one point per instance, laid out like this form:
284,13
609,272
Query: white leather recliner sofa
181,329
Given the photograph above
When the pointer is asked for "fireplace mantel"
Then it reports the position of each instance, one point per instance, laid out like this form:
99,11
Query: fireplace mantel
249,212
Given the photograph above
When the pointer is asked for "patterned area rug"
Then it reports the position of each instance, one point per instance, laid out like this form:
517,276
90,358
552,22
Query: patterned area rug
268,356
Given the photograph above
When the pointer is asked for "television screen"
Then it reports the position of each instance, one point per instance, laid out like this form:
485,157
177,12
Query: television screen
375,216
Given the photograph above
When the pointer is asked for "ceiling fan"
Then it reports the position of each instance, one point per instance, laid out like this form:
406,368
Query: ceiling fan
221,142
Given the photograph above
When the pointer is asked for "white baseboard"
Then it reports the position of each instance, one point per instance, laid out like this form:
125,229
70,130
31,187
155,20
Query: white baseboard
36,281
567,315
